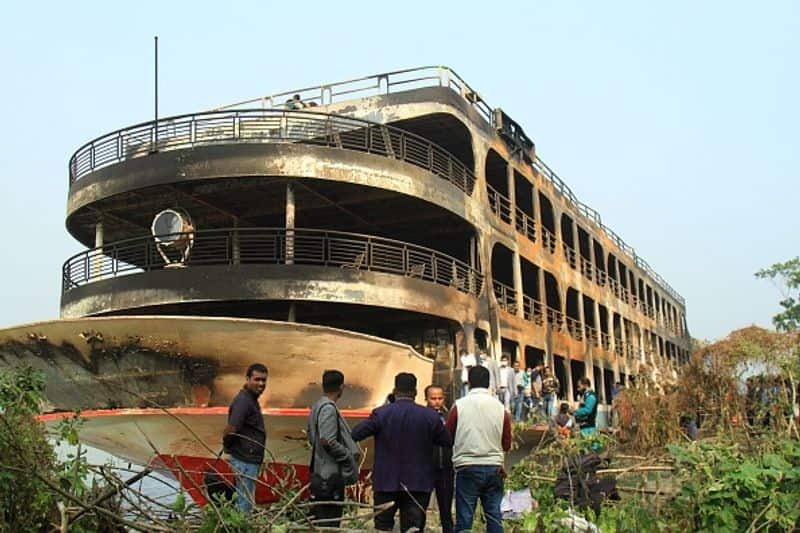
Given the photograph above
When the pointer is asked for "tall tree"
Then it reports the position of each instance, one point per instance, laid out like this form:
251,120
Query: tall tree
786,276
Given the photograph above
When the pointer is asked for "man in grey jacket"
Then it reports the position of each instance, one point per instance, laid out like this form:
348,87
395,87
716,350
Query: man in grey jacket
335,456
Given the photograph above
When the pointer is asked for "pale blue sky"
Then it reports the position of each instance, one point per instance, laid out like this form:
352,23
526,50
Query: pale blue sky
678,121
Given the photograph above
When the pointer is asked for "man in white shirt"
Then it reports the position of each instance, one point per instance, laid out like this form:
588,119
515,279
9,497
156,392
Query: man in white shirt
491,365
481,432
467,361
506,387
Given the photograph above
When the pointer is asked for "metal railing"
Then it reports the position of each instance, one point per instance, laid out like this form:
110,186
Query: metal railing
600,276
592,336
574,328
532,310
525,224
549,240
619,347
442,76
270,126
570,255
614,286
605,340
499,204
506,297
376,85
555,319
276,246
587,269
593,216
388,83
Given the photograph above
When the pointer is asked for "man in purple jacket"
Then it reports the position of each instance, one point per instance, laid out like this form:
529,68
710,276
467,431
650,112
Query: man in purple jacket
403,470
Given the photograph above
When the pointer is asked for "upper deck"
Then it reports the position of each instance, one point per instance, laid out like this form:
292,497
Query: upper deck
323,121
400,205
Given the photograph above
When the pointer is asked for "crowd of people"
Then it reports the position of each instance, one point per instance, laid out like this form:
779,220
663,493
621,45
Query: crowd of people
457,453
532,393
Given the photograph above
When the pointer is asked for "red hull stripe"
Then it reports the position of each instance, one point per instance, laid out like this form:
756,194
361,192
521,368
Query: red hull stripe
201,411
273,479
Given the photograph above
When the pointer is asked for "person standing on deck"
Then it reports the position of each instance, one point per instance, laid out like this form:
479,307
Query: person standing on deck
402,472
506,388
536,387
245,437
443,482
522,380
481,431
550,387
468,360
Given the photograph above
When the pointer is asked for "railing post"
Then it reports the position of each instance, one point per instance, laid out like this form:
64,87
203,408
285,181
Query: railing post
290,223
450,176
97,263
147,255
235,242
430,157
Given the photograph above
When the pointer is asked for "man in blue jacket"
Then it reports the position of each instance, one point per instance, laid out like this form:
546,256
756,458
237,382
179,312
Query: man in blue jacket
403,471
586,413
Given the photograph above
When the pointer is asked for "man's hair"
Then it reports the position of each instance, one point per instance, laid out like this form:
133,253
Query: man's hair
478,377
256,367
504,356
585,381
564,408
405,382
332,380
430,387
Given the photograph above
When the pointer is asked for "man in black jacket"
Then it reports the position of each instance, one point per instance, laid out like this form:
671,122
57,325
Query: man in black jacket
442,462
402,471
245,436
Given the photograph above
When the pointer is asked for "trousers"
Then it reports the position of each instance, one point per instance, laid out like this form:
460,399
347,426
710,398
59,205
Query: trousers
246,475
443,486
484,483
412,507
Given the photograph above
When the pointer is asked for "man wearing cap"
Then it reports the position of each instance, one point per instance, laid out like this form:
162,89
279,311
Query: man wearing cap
403,471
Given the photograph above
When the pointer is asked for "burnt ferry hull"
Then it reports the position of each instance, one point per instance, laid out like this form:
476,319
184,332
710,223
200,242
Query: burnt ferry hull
160,398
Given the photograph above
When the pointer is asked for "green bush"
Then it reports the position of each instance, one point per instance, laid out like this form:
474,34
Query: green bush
26,504
726,488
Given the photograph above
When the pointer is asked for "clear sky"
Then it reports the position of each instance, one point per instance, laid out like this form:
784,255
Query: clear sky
678,122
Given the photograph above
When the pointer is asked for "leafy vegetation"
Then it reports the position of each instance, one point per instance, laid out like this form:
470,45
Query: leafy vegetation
27,504
725,487
787,276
